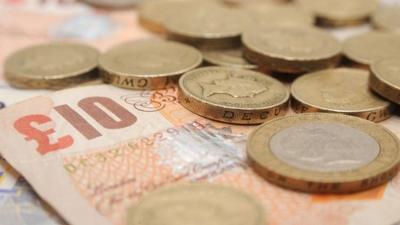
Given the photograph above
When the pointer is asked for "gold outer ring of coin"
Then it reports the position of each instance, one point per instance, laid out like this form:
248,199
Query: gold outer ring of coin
289,64
62,78
377,172
381,85
200,201
380,112
151,77
227,114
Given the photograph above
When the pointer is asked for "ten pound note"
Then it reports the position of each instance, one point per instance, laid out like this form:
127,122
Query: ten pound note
92,152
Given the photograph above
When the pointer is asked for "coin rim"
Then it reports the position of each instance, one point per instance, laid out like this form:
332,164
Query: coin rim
89,66
115,72
355,59
374,76
269,163
251,47
354,111
203,186
214,60
186,92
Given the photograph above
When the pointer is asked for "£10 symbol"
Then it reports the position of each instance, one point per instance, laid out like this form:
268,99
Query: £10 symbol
93,106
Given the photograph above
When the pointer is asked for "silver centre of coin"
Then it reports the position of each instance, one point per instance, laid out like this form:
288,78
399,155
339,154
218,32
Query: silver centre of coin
324,147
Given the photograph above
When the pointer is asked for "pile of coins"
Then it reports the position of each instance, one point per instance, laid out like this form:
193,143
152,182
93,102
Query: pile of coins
231,60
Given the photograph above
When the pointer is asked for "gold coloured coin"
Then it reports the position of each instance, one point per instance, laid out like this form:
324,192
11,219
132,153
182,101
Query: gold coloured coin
324,153
51,65
262,15
147,64
154,14
291,49
340,91
233,95
205,204
387,18
340,12
231,57
207,27
369,47
385,78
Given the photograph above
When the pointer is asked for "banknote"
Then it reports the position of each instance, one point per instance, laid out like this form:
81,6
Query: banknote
27,22
19,204
92,152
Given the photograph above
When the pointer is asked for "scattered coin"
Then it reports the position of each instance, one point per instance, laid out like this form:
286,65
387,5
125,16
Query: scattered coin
291,49
114,3
197,204
233,95
231,57
326,153
340,12
387,18
207,27
262,15
154,14
340,91
385,78
369,47
147,64
51,65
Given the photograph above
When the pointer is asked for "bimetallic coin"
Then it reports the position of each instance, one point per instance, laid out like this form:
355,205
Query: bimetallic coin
369,47
188,204
339,91
387,18
154,14
51,65
147,64
233,95
207,27
385,78
340,12
324,153
291,49
231,57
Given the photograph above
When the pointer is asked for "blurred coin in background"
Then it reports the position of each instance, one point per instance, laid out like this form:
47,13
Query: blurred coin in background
231,57
341,91
262,15
385,78
154,14
209,203
147,64
51,65
366,48
340,12
291,49
207,27
387,18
